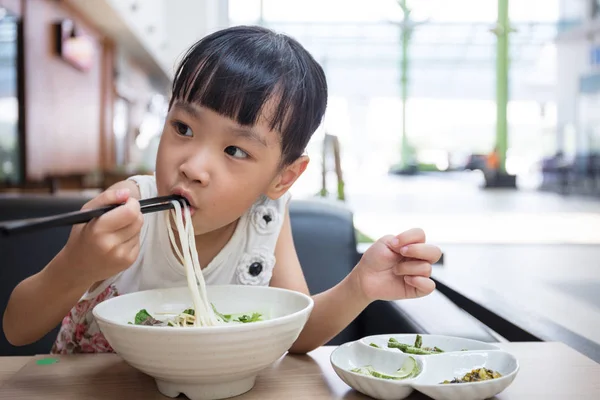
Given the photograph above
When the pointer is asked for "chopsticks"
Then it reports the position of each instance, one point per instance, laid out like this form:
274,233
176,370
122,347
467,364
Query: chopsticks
149,205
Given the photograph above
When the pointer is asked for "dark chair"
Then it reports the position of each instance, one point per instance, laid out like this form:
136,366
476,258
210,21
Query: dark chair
325,241
24,255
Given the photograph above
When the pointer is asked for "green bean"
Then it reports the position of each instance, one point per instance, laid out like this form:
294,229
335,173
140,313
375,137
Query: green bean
419,341
405,348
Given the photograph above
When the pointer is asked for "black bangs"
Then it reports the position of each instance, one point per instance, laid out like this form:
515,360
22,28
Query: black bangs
247,73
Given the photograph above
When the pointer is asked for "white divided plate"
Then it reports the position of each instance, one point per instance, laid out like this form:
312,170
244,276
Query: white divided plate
445,343
355,355
433,371
447,366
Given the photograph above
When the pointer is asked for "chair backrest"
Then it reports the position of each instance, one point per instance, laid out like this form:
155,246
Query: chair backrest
24,255
325,241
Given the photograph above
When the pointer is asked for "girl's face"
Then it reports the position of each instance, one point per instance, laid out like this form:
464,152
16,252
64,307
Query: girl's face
222,168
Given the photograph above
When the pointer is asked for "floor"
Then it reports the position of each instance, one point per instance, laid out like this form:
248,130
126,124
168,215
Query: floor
454,209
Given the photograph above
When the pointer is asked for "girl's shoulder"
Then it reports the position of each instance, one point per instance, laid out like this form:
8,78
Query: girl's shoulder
267,215
145,185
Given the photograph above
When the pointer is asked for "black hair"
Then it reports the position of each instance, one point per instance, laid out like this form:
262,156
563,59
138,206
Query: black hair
236,71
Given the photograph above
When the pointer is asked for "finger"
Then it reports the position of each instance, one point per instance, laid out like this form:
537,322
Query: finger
411,236
106,198
119,218
129,250
109,242
391,242
422,251
131,230
422,286
417,267
132,243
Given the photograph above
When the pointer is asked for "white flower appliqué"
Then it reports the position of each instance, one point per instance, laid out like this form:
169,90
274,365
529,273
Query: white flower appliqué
256,268
264,219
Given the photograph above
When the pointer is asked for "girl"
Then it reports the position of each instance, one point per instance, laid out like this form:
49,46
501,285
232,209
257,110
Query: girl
245,103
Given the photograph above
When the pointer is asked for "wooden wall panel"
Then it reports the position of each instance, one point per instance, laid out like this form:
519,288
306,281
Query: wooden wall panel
63,106
107,137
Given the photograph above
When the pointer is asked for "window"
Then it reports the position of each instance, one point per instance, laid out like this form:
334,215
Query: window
10,160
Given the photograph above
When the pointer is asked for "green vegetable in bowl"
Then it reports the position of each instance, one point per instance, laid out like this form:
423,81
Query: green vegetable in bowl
143,317
414,349
249,318
409,369
187,318
225,318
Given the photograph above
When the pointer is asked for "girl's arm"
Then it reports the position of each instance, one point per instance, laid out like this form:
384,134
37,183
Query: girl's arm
94,252
41,301
393,268
334,309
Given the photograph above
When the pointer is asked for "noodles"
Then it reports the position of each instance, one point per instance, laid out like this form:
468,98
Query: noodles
203,312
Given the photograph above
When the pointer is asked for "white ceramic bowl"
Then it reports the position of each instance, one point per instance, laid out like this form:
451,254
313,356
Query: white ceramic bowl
205,363
446,343
433,371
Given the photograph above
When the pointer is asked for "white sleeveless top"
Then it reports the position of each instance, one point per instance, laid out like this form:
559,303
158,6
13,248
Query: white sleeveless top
247,259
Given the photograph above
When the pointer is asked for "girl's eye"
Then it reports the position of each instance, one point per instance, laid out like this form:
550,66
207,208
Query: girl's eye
182,129
236,152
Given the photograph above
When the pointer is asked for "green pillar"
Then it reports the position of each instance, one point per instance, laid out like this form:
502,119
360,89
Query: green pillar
502,31
405,32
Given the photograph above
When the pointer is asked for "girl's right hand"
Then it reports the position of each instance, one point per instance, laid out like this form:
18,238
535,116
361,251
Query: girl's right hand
108,244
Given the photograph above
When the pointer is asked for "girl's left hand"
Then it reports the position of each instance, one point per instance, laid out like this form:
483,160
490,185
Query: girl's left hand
397,267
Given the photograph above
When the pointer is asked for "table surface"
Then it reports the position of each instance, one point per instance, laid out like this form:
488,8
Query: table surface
106,376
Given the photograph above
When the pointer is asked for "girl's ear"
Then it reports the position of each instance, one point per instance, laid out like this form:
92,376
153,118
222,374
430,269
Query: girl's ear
287,177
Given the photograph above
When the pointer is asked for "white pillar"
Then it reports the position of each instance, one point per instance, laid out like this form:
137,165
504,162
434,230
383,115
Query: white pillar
358,140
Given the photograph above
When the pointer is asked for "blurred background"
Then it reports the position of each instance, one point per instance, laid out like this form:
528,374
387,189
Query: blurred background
477,120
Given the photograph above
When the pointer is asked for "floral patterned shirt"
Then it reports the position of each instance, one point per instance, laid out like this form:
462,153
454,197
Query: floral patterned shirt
247,259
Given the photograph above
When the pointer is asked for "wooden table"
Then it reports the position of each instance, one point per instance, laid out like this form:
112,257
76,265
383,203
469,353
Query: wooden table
105,376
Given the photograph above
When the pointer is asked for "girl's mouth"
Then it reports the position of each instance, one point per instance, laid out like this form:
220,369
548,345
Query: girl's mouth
187,195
